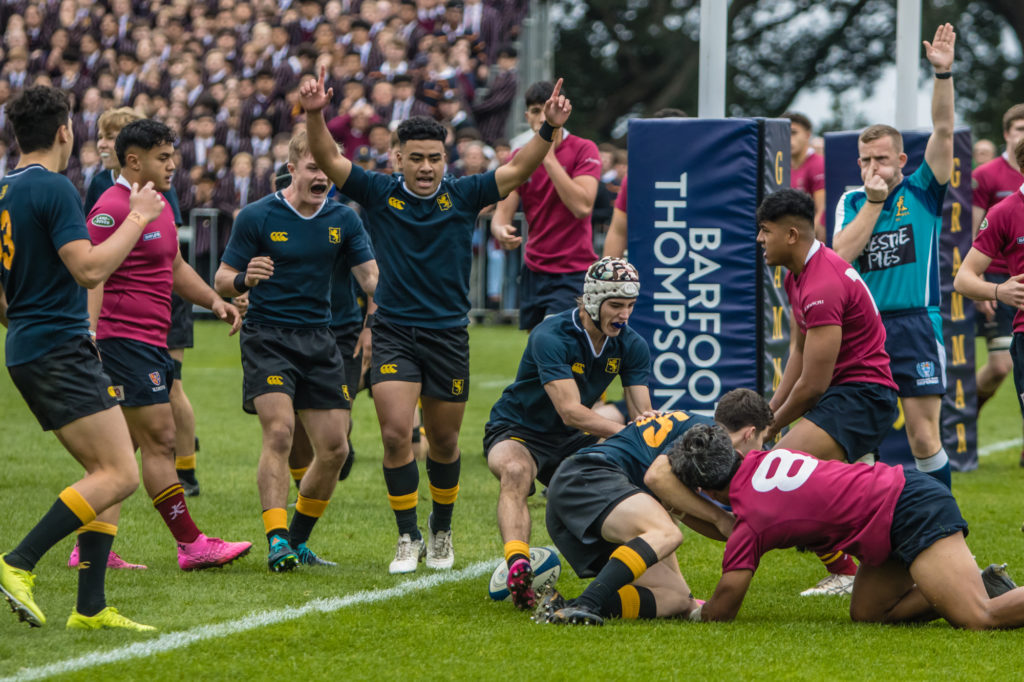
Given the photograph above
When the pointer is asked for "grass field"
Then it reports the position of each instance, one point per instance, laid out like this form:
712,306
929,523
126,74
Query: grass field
358,622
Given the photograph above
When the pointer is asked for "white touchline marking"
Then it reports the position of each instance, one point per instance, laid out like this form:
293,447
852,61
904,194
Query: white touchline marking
258,619
999,447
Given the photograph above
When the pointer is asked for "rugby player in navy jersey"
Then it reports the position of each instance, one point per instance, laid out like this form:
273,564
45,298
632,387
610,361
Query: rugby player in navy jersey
545,415
611,507
285,248
423,223
46,258
131,313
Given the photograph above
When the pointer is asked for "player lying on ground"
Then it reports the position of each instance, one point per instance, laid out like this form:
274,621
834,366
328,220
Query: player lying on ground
904,526
609,514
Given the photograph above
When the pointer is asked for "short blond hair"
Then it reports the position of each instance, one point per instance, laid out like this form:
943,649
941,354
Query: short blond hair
112,120
298,147
877,132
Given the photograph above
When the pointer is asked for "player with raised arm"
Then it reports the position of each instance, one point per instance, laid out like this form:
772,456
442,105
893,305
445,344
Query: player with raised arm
611,507
285,248
46,258
904,526
131,313
423,223
545,415
837,380
889,231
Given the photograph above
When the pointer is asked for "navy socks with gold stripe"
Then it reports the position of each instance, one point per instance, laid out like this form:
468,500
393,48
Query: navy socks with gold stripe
627,563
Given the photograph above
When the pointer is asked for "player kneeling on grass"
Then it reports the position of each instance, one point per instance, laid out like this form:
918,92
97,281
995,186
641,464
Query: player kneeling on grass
545,415
131,313
285,247
609,514
904,526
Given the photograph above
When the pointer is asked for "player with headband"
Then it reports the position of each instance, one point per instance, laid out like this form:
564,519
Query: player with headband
545,415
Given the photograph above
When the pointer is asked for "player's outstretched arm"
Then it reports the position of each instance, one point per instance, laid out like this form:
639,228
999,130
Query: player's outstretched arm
970,282
91,264
939,152
314,98
515,172
565,396
638,401
191,287
616,239
725,603
820,351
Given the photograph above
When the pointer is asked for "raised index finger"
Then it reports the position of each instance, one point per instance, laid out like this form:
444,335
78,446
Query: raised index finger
557,90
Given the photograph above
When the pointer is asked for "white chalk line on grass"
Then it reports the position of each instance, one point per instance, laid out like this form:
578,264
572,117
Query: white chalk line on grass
253,621
999,447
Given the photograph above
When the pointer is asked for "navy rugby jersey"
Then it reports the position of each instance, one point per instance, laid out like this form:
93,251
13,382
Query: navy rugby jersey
105,180
345,288
423,244
305,252
559,348
40,212
635,447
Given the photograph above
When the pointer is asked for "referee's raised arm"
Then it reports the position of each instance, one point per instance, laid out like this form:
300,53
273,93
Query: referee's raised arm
314,98
521,167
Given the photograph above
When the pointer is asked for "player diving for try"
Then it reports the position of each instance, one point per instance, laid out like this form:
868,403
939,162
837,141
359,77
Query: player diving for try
611,507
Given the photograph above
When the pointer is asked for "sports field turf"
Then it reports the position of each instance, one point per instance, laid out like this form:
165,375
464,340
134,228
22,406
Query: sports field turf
358,622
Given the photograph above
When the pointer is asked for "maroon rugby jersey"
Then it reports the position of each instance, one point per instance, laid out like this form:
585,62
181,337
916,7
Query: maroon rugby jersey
558,241
784,499
994,181
1002,235
830,292
622,200
137,296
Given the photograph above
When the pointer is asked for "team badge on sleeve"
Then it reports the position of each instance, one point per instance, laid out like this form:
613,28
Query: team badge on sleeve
444,202
334,235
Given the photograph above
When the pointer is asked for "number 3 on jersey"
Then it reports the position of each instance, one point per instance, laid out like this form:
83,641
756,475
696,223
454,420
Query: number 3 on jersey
792,471
6,241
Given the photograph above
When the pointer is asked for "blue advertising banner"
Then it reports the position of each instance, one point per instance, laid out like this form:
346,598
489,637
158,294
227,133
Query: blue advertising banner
959,405
704,306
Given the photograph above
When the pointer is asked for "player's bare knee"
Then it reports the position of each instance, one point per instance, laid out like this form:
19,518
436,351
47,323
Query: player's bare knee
278,436
335,453
515,474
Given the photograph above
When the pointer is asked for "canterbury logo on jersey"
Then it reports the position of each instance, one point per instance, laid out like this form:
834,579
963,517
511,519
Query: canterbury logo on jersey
389,369
444,202
396,203
278,236
3,191
613,366
275,380
577,367
334,235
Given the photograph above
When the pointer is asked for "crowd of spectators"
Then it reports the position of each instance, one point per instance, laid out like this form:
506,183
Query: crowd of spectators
224,75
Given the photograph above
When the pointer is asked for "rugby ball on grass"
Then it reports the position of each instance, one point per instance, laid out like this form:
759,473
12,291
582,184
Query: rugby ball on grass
546,569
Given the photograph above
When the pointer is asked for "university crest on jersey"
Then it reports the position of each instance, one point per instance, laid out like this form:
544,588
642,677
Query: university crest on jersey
334,235
444,202
156,378
613,366
457,386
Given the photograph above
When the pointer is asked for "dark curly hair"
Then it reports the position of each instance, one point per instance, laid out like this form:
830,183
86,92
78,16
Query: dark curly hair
704,458
144,134
36,114
788,203
540,92
420,128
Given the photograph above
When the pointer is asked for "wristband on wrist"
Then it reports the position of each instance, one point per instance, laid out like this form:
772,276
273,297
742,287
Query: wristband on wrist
240,285
369,320
872,201
996,294
137,217
944,75
546,131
